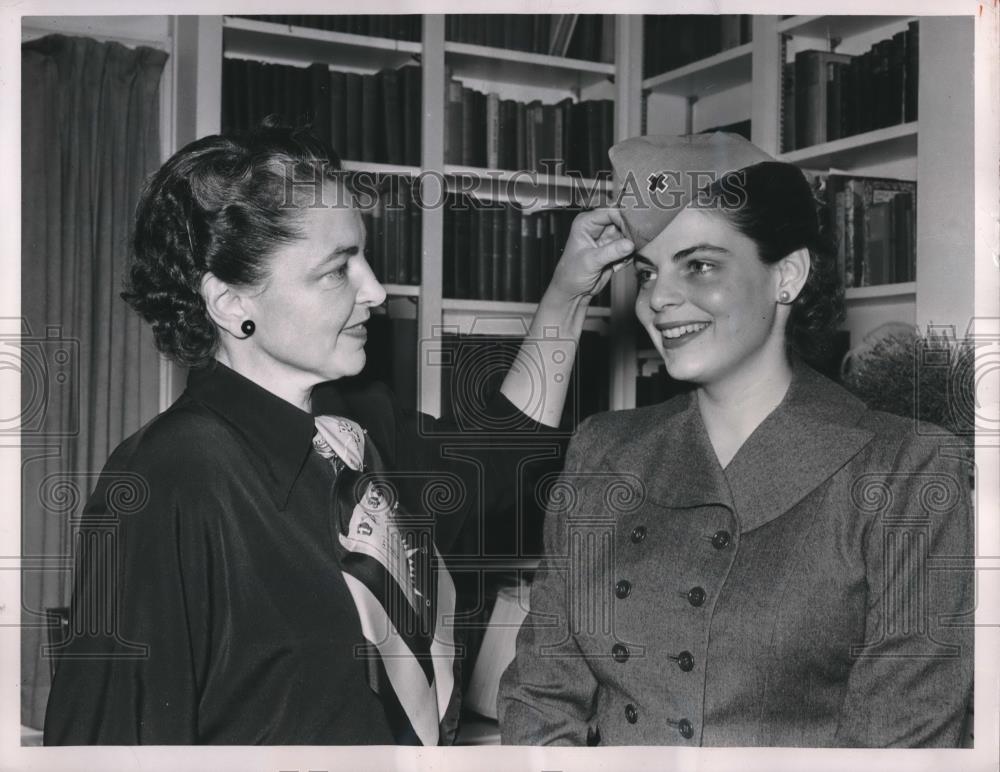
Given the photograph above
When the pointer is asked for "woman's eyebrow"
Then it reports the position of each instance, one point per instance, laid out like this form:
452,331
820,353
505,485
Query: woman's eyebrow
639,258
699,248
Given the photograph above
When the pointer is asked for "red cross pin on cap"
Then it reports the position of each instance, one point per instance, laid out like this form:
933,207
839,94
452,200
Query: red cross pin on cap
655,177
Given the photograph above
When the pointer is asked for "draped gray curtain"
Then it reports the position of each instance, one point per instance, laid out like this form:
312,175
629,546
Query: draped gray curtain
89,371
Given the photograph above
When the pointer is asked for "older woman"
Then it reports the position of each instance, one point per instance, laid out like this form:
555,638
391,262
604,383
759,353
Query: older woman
761,561
267,580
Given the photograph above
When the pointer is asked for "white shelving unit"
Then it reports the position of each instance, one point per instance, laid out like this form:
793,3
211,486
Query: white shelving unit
740,83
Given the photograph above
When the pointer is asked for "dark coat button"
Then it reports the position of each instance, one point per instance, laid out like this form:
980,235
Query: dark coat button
685,728
623,588
620,652
631,714
638,534
721,539
685,661
696,596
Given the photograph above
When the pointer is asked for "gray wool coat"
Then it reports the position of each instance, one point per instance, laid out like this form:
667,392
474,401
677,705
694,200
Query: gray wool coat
813,593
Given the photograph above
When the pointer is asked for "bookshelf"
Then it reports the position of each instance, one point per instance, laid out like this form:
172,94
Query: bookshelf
743,82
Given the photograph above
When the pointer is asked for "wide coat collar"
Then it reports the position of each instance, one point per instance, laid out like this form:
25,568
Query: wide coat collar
813,433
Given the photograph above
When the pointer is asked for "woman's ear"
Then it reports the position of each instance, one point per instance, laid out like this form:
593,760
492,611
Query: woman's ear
793,271
225,305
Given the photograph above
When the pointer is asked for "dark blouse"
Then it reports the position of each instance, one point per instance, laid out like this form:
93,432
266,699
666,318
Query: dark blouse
210,531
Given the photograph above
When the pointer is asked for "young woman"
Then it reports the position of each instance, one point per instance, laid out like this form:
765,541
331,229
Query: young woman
256,583
762,561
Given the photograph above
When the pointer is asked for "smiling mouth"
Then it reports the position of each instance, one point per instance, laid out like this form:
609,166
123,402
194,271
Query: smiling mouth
683,331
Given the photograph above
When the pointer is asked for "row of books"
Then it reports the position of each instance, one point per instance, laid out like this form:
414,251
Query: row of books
874,222
501,252
577,36
366,117
672,41
483,130
827,95
393,224
399,26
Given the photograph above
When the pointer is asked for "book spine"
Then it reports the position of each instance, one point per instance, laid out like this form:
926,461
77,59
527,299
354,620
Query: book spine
493,131
412,101
392,116
912,67
498,223
338,111
512,253
484,254
352,115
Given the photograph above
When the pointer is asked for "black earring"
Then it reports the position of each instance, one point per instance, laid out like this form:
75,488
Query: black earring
248,327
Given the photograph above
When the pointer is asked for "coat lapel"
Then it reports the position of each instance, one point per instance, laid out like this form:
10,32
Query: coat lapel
667,447
802,443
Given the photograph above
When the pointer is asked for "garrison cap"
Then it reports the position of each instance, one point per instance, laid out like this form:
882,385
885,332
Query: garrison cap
655,177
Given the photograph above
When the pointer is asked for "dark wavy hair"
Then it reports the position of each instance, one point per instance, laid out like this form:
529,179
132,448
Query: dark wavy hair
777,209
219,204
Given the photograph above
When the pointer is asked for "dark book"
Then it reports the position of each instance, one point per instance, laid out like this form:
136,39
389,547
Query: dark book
511,282
729,31
412,112
533,120
897,79
912,72
484,254
476,246
811,95
566,140
497,256
319,101
416,247
377,241
546,149
453,124
392,116
507,135
520,136
449,248
472,127
352,113
462,258
338,112
395,259
836,75
606,118
880,84
372,140
864,94
256,92
529,276
878,242
233,93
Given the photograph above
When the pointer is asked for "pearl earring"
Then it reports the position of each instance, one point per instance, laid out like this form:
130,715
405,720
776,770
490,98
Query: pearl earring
784,296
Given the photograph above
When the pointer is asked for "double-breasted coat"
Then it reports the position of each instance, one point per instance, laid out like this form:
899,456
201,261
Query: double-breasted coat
812,593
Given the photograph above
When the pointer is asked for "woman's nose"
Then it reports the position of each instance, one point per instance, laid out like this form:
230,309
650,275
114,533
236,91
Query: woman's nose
665,293
370,291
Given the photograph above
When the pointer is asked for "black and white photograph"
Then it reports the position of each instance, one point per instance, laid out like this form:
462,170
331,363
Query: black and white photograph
454,386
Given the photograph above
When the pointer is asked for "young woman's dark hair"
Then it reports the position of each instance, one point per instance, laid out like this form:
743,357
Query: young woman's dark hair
777,209
220,204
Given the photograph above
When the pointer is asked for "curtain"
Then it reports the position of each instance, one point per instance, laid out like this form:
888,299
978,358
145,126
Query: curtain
89,371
